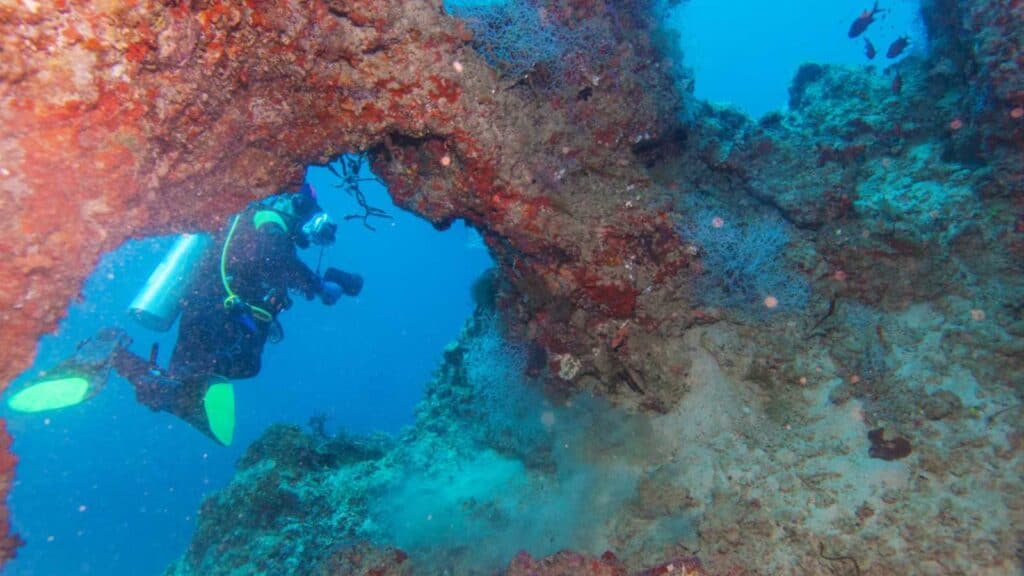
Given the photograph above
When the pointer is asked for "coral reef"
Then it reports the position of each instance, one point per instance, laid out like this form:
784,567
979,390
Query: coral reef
449,494
759,469
281,490
567,562
511,36
362,558
906,220
866,435
496,393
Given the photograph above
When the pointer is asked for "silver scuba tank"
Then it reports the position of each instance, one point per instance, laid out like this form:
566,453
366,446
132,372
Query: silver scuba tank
158,304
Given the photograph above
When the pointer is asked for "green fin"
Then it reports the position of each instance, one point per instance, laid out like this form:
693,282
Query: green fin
58,392
219,403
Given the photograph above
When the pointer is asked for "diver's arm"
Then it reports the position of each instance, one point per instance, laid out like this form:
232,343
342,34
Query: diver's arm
280,258
299,277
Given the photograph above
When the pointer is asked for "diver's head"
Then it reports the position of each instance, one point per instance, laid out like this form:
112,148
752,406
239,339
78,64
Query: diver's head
311,223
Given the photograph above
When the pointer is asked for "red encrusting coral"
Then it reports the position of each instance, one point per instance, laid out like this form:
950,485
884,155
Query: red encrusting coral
9,542
616,299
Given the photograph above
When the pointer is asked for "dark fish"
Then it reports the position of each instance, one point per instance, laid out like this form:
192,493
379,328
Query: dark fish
863,21
869,49
897,47
897,84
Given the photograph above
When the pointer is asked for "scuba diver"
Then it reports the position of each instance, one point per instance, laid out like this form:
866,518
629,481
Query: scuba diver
229,291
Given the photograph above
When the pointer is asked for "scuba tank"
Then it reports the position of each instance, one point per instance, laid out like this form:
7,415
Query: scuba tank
158,304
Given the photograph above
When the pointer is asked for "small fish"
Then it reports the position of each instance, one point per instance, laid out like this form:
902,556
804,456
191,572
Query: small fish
897,47
869,49
897,84
863,21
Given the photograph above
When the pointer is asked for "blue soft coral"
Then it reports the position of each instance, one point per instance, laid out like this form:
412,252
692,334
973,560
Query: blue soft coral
744,262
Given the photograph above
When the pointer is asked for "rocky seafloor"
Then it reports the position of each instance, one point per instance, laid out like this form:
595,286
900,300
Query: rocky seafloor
761,468
837,388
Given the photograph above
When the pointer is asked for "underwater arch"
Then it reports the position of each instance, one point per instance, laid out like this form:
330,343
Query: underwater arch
590,190
188,128
111,470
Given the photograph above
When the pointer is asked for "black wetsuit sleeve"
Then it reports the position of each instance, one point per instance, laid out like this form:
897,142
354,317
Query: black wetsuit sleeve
280,258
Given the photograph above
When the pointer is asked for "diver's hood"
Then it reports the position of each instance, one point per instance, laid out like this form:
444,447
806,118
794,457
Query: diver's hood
298,208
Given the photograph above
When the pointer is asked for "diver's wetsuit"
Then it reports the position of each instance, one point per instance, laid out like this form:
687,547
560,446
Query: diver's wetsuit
261,265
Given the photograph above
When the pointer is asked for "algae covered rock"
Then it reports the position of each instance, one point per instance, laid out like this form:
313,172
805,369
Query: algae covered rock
291,448
298,500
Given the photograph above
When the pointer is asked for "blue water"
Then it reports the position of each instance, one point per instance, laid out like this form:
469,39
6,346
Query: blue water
745,53
110,487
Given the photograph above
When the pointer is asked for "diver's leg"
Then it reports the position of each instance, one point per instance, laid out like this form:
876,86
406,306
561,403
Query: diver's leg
200,336
98,350
74,380
211,347
153,388
248,353
205,402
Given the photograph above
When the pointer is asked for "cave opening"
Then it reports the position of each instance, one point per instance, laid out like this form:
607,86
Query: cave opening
96,476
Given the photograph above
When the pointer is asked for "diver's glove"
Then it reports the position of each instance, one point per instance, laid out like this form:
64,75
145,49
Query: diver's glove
330,292
351,284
